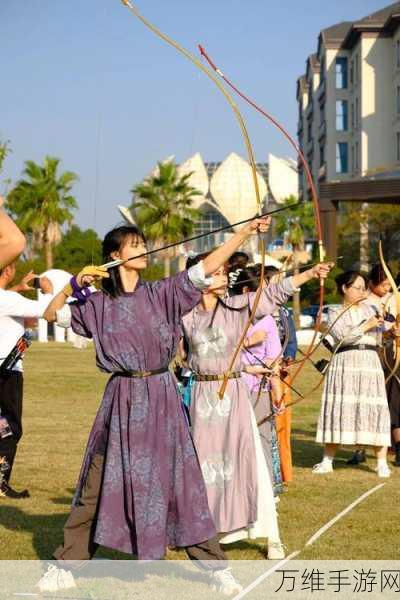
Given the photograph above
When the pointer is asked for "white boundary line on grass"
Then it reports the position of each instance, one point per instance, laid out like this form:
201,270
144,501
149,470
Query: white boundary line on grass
341,514
265,575
312,539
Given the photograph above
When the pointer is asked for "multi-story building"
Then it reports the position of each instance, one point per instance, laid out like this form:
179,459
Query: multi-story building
349,114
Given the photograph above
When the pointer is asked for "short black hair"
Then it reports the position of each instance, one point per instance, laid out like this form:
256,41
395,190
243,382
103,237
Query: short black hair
347,279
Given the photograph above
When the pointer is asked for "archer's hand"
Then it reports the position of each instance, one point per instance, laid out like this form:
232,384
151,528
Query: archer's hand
257,225
374,322
91,274
321,271
23,285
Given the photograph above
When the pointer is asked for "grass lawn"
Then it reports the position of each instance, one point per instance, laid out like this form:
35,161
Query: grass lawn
62,392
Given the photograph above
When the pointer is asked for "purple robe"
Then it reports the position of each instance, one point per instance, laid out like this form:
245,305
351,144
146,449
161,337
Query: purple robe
152,493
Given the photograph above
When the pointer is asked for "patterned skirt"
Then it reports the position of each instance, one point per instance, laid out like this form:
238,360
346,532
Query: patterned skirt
354,403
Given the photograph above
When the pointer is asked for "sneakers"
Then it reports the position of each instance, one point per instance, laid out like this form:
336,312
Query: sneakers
7,492
224,582
276,550
56,579
383,471
322,468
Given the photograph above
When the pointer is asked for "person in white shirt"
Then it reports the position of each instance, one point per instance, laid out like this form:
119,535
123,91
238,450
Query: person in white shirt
12,240
14,309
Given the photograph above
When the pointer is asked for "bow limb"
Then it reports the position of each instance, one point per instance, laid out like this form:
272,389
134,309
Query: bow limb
250,154
397,297
310,181
214,79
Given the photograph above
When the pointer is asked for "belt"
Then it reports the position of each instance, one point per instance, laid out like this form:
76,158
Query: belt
141,374
206,377
358,347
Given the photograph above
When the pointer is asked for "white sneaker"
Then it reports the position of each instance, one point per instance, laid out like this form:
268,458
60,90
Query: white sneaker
223,581
322,468
56,579
276,550
383,471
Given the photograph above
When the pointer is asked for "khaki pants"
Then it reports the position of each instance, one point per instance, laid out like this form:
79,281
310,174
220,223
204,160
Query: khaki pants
79,529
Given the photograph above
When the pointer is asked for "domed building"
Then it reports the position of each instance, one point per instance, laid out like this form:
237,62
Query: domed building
227,192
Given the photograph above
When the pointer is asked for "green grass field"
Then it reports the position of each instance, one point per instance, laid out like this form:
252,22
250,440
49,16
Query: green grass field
62,392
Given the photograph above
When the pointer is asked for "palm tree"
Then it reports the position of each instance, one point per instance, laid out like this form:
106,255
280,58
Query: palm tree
42,203
295,226
162,208
4,151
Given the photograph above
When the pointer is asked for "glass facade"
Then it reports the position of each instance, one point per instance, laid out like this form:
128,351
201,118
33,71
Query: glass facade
342,158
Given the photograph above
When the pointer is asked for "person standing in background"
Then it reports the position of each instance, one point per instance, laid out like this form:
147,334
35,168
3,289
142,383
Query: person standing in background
14,309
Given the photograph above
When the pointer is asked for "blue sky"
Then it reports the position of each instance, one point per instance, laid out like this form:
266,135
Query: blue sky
83,80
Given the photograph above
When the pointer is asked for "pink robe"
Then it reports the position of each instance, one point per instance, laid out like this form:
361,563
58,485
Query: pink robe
224,431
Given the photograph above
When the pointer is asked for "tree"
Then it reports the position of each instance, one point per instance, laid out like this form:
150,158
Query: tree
162,207
4,151
296,226
382,220
42,203
77,249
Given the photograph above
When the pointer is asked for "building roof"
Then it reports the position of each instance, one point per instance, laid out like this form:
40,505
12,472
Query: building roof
334,35
381,16
377,21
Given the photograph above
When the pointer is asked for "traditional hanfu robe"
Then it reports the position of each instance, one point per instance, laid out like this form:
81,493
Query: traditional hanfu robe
225,431
152,492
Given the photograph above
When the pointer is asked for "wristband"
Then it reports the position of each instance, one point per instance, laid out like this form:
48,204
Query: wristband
74,290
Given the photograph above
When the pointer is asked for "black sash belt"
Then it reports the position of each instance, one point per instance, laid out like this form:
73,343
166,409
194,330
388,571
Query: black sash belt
358,347
141,374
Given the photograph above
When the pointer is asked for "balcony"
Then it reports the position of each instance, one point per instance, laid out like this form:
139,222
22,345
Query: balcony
310,146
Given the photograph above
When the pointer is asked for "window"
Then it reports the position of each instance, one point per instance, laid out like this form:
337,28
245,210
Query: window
341,115
352,72
353,166
341,73
398,100
208,221
398,54
398,146
309,131
342,157
352,115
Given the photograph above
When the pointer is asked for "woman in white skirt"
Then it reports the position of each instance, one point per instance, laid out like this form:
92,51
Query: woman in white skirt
354,404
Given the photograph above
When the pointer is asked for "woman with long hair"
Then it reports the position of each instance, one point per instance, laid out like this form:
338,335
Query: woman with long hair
140,488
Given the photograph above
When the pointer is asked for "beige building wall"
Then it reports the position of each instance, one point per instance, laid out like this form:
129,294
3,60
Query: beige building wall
377,103
372,49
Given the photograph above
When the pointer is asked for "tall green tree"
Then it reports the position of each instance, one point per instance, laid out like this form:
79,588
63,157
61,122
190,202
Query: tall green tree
77,248
163,208
382,220
42,203
296,225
